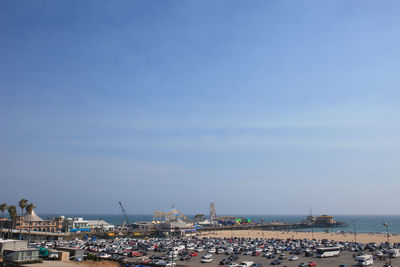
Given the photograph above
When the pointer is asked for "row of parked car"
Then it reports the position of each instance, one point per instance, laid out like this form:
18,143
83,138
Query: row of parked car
167,251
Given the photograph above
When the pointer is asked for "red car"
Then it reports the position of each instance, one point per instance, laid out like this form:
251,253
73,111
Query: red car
312,263
145,261
193,254
136,254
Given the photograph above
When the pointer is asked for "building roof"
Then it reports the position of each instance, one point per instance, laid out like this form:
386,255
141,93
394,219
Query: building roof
9,241
32,217
97,223
22,249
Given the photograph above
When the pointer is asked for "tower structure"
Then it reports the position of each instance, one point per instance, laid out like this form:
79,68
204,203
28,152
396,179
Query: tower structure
213,214
310,218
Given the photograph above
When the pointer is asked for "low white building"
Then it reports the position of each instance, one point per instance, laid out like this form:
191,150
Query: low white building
10,244
177,228
100,225
77,225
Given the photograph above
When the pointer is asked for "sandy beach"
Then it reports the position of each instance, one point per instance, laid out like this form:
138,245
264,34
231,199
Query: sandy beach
360,237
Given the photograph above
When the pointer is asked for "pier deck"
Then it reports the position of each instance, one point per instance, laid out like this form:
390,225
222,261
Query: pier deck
271,226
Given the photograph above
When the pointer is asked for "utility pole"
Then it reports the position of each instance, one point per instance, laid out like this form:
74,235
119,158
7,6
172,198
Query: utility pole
354,231
173,251
387,236
173,258
312,233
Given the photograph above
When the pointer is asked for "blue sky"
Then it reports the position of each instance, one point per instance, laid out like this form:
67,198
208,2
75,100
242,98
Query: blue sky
263,107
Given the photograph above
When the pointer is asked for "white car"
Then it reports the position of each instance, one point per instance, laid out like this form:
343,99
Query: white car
293,258
266,254
104,256
207,256
205,260
246,264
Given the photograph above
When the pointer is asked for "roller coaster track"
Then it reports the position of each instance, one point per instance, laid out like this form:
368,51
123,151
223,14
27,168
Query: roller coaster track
173,215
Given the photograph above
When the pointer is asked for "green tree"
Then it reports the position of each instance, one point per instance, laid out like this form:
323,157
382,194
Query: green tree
3,208
29,209
12,211
22,204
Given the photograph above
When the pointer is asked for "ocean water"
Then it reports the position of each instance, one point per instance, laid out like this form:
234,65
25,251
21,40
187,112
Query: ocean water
361,223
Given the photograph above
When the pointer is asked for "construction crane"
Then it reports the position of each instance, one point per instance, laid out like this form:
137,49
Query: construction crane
126,219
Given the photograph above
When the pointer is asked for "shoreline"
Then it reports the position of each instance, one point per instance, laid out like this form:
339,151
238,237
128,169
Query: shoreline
345,237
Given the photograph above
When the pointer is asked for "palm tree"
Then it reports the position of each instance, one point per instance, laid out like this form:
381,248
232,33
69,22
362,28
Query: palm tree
29,209
3,208
12,210
22,204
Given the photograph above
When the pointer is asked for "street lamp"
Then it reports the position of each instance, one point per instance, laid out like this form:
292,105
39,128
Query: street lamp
173,251
387,236
355,233
312,233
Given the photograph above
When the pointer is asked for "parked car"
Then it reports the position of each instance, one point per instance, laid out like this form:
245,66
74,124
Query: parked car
225,261
170,264
234,257
185,257
293,258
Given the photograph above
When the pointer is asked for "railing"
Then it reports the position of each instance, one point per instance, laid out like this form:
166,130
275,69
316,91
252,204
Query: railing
17,231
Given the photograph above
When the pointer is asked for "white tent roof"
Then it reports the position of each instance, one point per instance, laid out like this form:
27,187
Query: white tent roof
97,222
32,217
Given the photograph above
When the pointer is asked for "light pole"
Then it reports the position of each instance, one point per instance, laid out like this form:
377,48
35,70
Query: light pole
387,236
354,231
312,233
173,251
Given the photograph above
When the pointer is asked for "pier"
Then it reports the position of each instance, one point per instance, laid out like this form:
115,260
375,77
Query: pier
270,226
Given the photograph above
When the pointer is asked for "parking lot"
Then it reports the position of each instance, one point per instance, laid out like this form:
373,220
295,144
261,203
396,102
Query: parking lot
344,258
159,251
